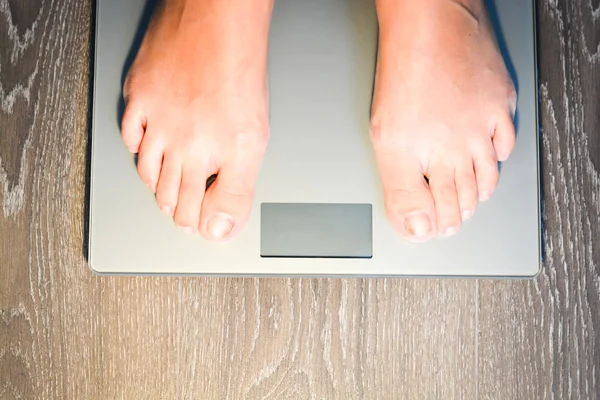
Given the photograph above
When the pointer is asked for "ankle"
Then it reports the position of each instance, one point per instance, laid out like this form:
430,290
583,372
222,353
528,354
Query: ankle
400,15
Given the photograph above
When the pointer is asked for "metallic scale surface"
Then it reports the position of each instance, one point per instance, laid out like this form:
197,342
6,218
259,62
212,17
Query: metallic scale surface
321,70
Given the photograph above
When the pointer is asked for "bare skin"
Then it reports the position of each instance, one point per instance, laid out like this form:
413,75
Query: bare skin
197,105
442,112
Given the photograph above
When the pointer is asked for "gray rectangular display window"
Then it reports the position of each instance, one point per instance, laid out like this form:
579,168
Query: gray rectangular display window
304,230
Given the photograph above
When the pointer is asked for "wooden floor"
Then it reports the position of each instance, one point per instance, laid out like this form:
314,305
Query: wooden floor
66,334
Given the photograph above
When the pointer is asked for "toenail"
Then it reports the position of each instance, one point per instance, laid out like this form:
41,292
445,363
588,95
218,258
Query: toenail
220,225
151,186
485,195
167,210
418,225
132,149
450,231
466,214
187,230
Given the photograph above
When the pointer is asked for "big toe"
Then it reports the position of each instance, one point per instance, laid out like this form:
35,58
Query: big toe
150,159
228,202
226,208
408,201
133,125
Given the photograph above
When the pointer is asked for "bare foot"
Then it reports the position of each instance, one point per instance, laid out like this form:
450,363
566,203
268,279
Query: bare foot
442,115
196,106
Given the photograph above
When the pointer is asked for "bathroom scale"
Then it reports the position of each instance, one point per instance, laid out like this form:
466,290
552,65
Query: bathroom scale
318,209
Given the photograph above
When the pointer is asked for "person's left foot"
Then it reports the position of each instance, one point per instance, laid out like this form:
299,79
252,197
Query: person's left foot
442,114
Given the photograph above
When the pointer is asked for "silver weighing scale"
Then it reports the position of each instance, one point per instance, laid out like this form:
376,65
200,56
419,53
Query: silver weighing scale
319,208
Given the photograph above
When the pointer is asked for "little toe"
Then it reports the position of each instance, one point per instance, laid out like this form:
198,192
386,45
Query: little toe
133,125
408,202
443,189
486,173
504,137
167,190
466,189
191,194
149,162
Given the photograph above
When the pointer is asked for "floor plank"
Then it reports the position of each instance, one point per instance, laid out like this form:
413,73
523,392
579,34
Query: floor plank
541,339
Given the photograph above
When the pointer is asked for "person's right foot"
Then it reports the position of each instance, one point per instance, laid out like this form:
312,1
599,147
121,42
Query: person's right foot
196,105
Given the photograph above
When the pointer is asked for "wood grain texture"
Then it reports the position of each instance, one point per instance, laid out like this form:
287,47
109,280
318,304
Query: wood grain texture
541,339
66,334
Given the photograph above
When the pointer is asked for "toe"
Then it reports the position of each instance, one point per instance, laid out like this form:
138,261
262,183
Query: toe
486,173
466,189
191,194
408,202
226,207
167,190
504,137
443,189
133,125
150,159
228,202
